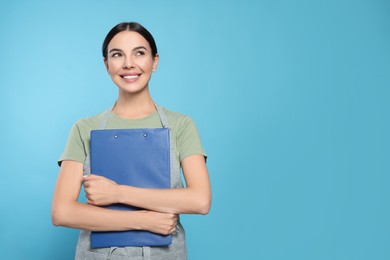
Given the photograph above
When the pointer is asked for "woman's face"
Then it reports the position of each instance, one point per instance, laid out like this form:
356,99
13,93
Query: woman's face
130,62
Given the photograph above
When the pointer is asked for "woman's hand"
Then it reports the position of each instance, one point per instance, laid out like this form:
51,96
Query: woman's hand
100,191
160,223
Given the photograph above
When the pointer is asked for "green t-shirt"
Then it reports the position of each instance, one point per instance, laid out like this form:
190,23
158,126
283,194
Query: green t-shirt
186,139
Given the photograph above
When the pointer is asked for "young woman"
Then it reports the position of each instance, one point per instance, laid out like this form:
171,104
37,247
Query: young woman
130,56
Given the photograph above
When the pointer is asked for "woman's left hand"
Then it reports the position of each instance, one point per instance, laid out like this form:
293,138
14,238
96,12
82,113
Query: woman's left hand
100,191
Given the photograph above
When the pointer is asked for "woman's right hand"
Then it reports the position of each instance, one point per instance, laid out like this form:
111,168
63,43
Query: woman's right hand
160,223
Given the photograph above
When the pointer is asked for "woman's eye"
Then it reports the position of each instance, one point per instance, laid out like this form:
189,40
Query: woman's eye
140,53
116,55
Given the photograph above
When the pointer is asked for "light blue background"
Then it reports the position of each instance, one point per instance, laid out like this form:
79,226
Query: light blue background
291,99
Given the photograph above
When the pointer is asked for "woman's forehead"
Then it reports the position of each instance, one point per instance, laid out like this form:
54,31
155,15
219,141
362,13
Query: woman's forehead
128,40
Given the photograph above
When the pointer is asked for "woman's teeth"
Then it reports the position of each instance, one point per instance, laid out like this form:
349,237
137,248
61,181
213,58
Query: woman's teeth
131,77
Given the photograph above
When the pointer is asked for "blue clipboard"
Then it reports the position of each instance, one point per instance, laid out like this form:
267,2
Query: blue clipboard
134,157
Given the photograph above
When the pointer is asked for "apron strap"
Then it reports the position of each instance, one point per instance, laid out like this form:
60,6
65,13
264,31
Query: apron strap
102,125
163,117
103,121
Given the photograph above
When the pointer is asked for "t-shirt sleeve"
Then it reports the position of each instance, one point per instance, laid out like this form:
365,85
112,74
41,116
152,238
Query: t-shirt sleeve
188,139
74,147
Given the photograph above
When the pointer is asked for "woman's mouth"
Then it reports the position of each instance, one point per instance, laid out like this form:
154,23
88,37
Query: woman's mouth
130,77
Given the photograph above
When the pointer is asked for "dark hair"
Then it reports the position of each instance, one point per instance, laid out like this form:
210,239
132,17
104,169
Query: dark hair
132,27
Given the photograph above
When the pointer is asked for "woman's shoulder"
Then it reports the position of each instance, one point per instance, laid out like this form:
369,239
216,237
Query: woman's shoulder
177,119
90,122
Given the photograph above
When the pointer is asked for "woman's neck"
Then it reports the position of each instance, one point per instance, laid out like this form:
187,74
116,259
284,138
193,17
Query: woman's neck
134,106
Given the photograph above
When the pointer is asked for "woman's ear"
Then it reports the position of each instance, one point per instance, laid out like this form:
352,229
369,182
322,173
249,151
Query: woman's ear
105,63
155,62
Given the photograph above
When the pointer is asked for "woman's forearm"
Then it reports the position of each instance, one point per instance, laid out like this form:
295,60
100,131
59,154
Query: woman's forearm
93,218
88,217
177,201
195,198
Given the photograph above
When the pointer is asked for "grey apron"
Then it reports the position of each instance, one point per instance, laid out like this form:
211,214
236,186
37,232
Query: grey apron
176,251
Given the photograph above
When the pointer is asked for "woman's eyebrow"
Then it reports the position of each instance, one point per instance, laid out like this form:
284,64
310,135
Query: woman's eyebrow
115,50
139,47
136,48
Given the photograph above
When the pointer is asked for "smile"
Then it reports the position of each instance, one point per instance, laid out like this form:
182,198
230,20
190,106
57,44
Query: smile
130,76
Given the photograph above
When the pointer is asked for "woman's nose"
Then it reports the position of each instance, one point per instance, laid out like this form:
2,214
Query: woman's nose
128,63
